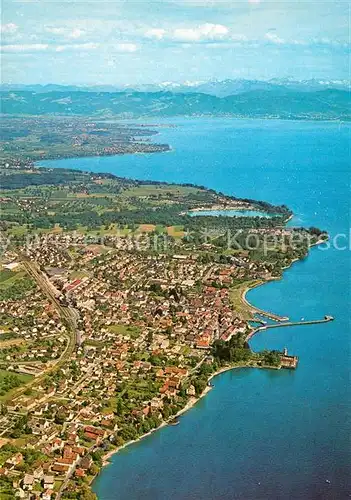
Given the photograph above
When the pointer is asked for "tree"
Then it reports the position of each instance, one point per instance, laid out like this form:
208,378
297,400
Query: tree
85,493
60,418
235,350
93,470
128,432
166,412
271,358
3,410
145,426
119,407
200,384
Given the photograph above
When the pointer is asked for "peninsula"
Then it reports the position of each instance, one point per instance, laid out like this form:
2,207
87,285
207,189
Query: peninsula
117,307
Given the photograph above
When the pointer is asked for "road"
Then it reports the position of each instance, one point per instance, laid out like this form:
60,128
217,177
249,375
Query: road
67,314
193,370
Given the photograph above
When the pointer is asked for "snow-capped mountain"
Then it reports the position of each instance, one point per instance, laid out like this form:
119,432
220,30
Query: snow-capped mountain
219,88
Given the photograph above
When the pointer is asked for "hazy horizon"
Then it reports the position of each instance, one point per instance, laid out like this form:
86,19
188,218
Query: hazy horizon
186,83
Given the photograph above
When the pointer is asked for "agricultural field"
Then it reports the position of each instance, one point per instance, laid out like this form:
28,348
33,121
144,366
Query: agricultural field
37,138
14,284
10,381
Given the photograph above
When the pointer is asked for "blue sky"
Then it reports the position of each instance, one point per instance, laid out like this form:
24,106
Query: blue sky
149,41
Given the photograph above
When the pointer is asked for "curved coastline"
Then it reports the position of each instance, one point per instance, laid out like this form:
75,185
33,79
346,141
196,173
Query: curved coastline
193,401
262,312
112,452
257,310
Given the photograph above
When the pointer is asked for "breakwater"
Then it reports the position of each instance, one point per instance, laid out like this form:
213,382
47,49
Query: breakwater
257,310
326,319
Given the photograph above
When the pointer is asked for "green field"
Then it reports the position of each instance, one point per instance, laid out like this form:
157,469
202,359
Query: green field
14,284
159,190
10,381
239,306
6,275
130,331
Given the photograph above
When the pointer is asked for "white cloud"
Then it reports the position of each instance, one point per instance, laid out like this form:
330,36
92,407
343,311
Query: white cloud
220,35
118,47
39,47
29,47
273,38
65,32
55,31
330,42
200,3
204,32
9,28
78,46
125,47
157,33
76,33
277,40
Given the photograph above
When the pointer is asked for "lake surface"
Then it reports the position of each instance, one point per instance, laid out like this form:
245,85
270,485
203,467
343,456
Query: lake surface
228,213
260,434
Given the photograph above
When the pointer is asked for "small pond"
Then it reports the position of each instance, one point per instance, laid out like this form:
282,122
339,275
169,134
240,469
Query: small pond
229,213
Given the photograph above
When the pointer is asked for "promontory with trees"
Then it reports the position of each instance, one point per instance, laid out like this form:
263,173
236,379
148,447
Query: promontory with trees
116,305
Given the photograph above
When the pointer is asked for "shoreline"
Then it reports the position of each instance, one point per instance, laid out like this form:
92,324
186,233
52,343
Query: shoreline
257,310
193,400
277,278
260,283
190,404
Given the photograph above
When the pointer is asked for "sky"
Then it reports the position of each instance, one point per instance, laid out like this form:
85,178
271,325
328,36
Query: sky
122,42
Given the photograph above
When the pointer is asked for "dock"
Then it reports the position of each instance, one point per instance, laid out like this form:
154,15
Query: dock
286,360
326,319
270,315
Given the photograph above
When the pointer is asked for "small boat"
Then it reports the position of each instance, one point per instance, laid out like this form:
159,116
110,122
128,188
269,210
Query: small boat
327,481
175,421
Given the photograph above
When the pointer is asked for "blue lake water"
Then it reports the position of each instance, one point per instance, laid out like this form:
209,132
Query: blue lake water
228,213
260,434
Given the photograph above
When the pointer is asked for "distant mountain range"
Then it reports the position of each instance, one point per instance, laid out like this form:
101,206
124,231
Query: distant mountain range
275,102
219,88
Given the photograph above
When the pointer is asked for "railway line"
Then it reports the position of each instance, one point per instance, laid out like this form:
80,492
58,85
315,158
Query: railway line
67,314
